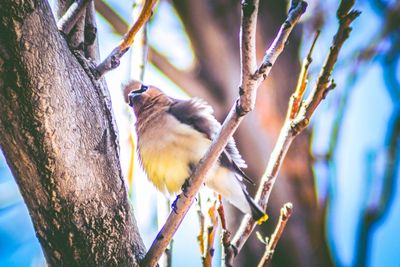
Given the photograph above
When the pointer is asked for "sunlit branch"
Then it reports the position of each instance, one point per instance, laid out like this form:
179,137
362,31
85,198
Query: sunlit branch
360,63
297,96
234,118
286,212
113,59
211,232
292,127
185,79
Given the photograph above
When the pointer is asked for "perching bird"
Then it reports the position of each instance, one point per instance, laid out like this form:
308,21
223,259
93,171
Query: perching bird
173,135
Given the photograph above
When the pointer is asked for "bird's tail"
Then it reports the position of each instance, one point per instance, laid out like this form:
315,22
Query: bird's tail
256,211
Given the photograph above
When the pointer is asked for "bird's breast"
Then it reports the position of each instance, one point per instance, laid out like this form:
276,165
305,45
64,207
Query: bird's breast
167,147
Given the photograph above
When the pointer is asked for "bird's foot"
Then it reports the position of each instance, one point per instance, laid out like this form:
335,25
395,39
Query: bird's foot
174,205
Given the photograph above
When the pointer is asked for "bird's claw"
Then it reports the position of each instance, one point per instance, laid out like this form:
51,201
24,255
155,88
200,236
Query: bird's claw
174,205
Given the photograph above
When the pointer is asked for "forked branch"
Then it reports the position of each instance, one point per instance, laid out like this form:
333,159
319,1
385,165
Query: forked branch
298,119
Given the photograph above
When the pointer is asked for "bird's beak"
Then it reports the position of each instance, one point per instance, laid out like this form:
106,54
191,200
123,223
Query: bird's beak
136,93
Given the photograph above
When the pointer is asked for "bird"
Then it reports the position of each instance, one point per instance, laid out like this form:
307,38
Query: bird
172,137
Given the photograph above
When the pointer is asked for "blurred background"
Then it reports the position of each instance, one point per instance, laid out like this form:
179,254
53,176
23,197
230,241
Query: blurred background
341,174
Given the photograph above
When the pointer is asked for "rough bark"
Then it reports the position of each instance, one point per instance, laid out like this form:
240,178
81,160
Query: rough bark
59,138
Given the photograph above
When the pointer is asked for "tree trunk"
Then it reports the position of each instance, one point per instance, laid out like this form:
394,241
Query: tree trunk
59,138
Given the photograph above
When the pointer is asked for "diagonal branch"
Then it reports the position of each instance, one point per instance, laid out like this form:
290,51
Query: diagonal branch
112,60
286,212
324,82
234,118
71,17
187,80
292,127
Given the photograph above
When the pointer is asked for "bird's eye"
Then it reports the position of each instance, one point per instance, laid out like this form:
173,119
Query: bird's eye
136,93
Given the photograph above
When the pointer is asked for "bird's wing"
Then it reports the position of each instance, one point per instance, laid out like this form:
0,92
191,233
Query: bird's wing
198,114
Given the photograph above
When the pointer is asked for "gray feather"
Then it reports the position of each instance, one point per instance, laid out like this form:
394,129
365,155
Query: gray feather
198,114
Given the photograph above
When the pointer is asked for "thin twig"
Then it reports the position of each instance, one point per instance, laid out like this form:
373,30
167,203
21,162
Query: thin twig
297,96
200,237
226,234
70,18
112,60
286,212
211,231
185,79
234,118
221,212
292,127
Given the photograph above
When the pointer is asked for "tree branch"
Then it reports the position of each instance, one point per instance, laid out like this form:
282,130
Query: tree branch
71,17
226,234
297,96
234,118
252,77
200,236
112,60
211,231
292,127
187,80
324,82
286,212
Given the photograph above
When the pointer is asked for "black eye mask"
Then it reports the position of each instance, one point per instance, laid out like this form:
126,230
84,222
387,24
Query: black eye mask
137,92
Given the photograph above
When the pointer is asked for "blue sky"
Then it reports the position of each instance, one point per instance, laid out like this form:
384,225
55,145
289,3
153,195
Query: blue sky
365,126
